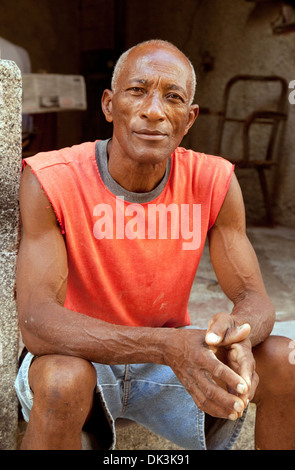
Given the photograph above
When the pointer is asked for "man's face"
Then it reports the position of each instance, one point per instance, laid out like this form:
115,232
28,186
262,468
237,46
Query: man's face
150,107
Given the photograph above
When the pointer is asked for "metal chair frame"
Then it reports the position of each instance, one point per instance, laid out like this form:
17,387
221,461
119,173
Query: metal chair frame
262,117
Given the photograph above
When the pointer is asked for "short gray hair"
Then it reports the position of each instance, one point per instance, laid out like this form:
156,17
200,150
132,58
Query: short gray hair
157,42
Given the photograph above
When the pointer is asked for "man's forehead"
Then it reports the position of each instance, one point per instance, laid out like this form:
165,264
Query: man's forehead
157,55
143,61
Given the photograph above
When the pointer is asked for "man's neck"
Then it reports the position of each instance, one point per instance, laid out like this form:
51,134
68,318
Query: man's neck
134,176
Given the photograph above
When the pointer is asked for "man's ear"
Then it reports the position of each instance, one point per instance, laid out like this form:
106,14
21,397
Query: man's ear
106,105
193,114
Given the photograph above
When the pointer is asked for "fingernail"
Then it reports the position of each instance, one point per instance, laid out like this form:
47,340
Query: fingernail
212,338
245,325
248,381
238,407
241,388
232,417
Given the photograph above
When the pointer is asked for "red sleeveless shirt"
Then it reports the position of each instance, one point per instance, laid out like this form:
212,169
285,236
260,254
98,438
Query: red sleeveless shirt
130,263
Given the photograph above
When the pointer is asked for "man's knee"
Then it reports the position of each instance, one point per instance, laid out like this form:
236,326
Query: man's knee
62,379
276,371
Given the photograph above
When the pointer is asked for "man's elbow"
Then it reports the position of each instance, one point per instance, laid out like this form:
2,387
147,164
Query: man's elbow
31,341
28,325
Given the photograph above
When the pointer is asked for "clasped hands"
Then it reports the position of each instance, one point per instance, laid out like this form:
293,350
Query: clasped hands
217,366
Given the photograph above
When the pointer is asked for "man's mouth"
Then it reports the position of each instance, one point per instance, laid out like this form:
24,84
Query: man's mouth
148,134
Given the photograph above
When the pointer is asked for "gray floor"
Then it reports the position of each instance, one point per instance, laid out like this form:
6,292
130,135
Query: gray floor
275,249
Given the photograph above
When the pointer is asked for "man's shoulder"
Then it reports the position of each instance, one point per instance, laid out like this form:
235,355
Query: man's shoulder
62,156
189,156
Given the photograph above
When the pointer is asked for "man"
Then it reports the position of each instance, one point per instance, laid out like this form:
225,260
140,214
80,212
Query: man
103,283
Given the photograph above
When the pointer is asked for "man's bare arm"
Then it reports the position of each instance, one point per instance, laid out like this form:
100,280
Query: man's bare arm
237,270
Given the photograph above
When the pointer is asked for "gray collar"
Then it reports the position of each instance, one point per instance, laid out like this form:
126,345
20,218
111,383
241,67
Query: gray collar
101,156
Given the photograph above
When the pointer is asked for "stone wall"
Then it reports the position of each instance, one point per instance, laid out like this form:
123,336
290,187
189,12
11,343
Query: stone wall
242,41
10,165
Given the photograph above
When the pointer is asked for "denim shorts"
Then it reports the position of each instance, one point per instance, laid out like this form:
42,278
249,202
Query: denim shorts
152,396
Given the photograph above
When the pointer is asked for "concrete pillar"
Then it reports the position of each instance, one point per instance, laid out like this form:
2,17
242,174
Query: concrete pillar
10,165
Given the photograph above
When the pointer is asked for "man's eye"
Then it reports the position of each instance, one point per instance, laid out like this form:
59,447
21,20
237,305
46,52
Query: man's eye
136,90
175,97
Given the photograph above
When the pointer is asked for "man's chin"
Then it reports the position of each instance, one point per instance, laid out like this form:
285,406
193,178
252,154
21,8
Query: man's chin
151,151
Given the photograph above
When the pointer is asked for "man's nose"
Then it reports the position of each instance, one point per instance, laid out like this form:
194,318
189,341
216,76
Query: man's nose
153,108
